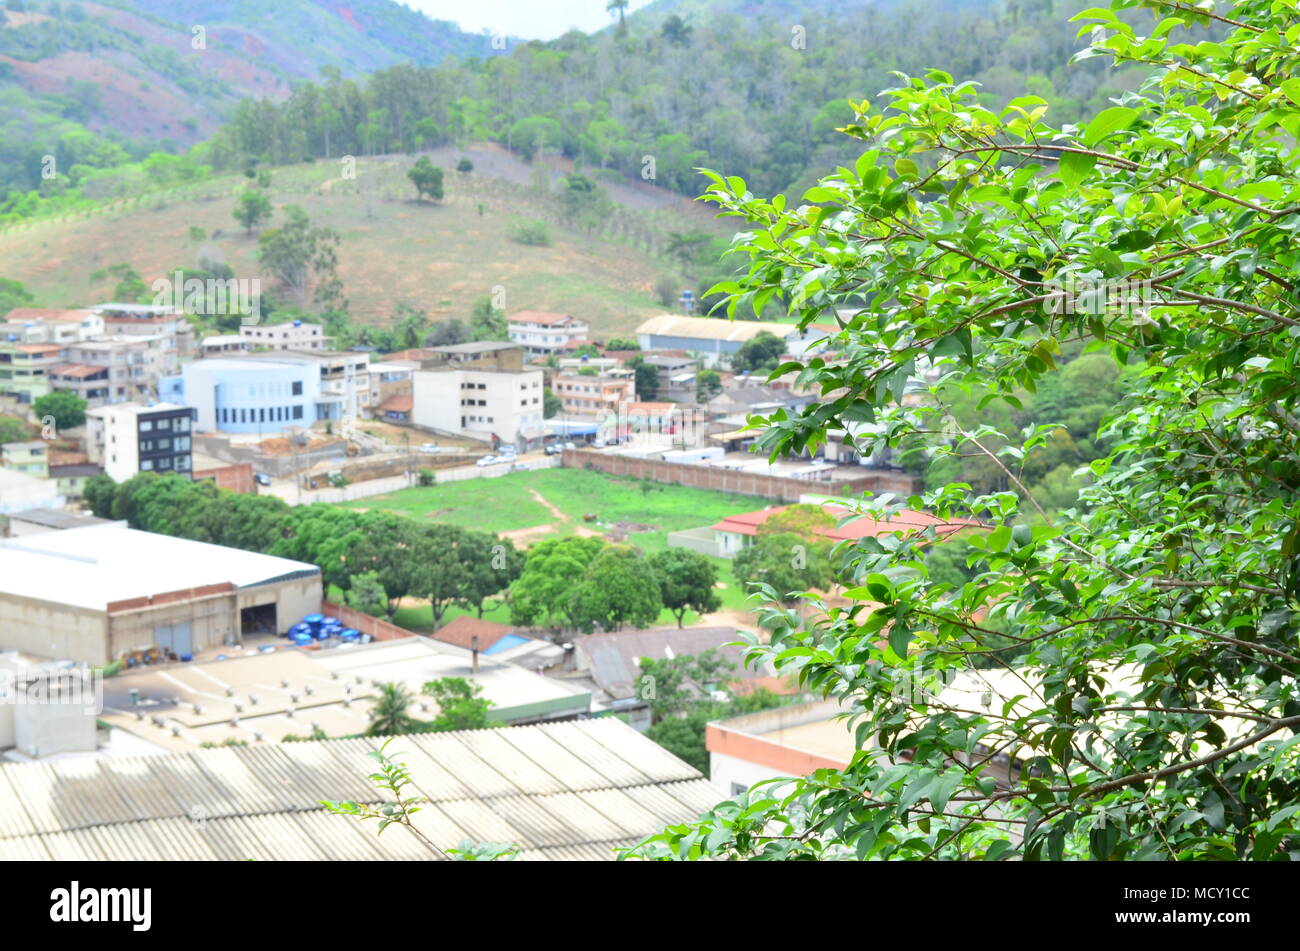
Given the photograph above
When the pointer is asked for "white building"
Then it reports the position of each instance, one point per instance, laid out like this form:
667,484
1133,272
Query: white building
129,438
541,333
46,325
295,335
20,492
480,390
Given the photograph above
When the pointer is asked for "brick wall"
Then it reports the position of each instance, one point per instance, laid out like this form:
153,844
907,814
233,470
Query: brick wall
742,483
367,624
236,478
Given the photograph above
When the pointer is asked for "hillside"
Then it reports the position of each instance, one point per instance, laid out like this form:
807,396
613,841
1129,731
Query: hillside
128,70
394,250
744,87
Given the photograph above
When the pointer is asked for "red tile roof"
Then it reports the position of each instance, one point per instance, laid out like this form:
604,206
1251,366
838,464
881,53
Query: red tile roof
77,370
462,629
39,347
747,523
397,404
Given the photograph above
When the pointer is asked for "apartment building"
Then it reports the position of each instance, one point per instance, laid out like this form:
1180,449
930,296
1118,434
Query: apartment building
134,437
295,335
25,369
480,390
541,333
223,344
390,388
586,394
115,369
47,325
146,320
30,458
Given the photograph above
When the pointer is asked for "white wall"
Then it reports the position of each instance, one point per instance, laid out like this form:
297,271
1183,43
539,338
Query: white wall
724,771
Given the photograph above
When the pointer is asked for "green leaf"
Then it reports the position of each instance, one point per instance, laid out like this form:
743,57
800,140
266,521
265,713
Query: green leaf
1073,167
1107,122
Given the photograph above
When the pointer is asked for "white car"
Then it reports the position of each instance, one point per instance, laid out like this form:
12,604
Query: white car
521,467
430,447
487,461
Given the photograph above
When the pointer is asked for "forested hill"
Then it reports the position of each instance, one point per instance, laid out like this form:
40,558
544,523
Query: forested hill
737,85
94,83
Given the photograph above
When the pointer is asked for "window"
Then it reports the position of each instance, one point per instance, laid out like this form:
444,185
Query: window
297,412
261,415
146,445
182,463
182,424
297,387
164,463
146,426
164,445
164,424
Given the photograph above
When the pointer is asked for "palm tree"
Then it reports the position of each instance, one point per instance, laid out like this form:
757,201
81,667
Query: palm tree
388,717
621,7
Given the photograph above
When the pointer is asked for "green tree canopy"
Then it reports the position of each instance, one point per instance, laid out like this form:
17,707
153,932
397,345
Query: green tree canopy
686,582
68,409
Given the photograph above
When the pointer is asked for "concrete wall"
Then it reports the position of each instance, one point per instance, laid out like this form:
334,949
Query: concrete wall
213,618
708,477
56,631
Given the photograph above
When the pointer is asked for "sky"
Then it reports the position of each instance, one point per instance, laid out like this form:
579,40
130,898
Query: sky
529,19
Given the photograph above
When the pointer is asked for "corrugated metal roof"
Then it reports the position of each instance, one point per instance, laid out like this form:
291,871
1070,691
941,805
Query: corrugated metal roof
561,791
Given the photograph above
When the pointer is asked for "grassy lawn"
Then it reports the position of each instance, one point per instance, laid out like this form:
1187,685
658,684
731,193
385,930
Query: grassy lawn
507,503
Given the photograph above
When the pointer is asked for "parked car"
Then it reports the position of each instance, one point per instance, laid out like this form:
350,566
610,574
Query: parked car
598,444
261,478
430,447
552,449
487,461
521,467
568,445
508,451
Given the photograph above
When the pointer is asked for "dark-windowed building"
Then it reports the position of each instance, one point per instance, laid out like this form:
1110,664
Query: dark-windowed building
131,437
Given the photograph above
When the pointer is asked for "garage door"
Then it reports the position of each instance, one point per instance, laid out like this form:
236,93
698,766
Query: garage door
176,637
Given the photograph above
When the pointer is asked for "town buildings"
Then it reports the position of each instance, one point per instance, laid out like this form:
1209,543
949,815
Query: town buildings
49,325
292,335
115,369
541,333
25,369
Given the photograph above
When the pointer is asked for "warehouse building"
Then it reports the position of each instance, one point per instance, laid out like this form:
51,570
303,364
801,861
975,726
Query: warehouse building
558,791
716,339
102,592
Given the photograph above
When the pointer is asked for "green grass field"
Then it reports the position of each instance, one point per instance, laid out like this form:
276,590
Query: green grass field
507,504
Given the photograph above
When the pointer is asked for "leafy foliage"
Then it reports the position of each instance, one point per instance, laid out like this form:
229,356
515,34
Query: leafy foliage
1143,699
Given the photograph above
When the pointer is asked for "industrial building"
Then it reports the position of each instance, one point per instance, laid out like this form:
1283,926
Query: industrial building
102,592
557,790
715,339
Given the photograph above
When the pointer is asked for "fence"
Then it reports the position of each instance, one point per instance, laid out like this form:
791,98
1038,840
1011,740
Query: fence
365,623
784,488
